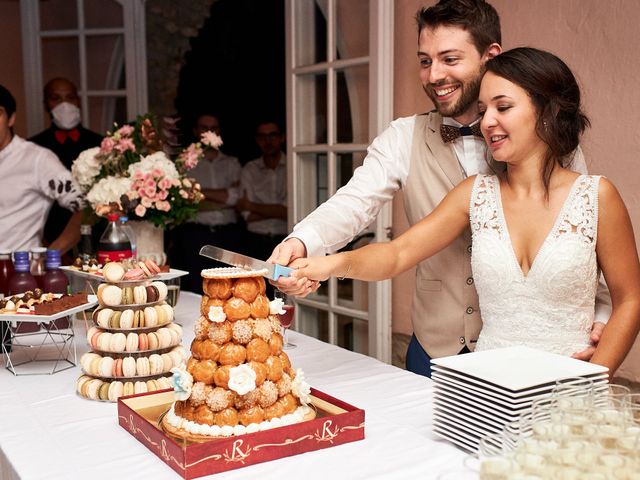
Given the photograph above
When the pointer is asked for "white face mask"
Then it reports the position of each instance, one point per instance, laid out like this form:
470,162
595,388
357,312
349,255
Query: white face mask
66,115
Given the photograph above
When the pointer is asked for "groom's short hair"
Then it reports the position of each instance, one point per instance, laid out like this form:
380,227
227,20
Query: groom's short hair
477,17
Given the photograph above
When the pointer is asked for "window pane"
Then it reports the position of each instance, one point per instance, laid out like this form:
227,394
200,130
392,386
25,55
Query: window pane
61,58
352,28
102,14
58,15
103,111
313,322
347,163
352,105
353,334
311,98
310,31
312,182
105,62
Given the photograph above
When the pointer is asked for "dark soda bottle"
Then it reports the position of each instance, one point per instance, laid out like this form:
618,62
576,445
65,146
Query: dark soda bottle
114,243
85,246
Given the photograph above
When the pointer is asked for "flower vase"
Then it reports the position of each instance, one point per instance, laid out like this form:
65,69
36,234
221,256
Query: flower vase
149,241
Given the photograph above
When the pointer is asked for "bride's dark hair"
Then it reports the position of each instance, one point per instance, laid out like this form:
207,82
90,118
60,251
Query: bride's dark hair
555,94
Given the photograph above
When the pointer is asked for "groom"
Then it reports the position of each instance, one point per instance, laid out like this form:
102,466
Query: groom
425,156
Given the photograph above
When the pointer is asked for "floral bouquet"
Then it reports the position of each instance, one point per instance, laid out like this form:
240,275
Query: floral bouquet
131,173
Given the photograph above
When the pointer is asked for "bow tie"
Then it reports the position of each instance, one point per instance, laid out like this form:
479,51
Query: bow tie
449,133
62,135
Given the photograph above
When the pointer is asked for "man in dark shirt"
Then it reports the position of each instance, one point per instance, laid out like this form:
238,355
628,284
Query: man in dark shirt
66,137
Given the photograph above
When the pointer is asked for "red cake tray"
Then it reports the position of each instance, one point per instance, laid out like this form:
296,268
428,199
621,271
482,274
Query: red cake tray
336,423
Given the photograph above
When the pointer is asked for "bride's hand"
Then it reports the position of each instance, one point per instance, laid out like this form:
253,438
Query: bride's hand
315,268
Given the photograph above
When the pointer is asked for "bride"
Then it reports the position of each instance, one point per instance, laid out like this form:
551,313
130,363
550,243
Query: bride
541,233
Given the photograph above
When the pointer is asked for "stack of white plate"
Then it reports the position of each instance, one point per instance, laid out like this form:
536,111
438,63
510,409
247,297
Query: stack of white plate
478,393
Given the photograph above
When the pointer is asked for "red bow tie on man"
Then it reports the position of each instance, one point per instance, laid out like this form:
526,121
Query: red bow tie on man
62,135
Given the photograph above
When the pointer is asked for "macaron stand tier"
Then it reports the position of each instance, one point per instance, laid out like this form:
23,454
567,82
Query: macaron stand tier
134,341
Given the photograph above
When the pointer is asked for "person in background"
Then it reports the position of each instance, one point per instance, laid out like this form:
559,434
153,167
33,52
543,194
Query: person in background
34,179
263,185
216,222
426,156
66,137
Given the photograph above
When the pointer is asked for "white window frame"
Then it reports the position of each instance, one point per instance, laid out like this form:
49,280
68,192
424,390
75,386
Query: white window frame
380,61
133,55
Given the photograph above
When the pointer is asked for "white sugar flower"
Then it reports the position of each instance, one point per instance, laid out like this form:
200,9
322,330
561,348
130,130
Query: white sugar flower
217,315
182,382
276,307
242,379
300,388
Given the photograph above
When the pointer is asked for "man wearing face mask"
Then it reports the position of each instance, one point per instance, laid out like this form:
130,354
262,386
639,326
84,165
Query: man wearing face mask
66,137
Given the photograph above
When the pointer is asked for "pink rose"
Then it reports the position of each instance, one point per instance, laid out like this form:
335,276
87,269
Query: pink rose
162,195
164,184
146,202
156,172
211,139
138,175
150,191
140,210
132,195
184,194
163,206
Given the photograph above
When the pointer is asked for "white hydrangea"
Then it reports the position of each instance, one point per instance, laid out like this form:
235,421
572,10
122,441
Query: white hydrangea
108,190
158,160
86,167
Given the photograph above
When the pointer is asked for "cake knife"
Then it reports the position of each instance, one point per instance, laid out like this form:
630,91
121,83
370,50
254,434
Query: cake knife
274,271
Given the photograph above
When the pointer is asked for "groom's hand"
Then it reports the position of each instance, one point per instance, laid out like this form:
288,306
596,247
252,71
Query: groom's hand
596,333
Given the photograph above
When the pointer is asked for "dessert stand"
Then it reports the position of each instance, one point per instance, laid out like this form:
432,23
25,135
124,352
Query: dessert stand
47,350
108,379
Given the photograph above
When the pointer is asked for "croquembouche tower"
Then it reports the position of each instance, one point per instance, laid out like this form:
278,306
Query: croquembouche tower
238,379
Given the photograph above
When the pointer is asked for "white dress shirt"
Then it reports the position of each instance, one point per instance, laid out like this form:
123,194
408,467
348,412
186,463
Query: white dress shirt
32,178
266,186
221,172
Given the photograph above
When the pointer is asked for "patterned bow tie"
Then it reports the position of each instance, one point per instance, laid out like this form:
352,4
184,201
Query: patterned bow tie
449,133
62,135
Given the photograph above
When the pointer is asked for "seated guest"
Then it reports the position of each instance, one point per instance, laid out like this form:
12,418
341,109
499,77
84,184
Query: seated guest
216,222
66,137
263,185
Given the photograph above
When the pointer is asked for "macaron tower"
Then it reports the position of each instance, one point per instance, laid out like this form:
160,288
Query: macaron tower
238,379
134,342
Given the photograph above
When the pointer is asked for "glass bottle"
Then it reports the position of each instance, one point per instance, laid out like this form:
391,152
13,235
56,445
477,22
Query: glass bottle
85,246
21,280
114,243
124,222
37,267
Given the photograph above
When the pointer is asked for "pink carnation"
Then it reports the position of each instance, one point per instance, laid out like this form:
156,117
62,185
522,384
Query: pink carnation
140,210
107,145
211,139
125,130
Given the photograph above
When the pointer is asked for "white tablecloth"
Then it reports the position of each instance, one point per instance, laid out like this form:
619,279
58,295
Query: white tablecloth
48,432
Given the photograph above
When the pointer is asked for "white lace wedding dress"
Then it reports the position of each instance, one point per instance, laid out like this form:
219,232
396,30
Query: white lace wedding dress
552,307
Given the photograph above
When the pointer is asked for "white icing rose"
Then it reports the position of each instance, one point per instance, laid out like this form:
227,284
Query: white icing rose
242,379
276,307
300,388
217,315
182,381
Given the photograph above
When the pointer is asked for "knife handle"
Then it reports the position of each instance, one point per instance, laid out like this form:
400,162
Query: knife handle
280,271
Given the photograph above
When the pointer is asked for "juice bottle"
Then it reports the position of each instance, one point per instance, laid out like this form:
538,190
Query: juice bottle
55,281
21,280
37,267
6,270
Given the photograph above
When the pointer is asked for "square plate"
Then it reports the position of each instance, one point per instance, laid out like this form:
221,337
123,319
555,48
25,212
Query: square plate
474,403
502,392
518,368
465,445
466,423
480,417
